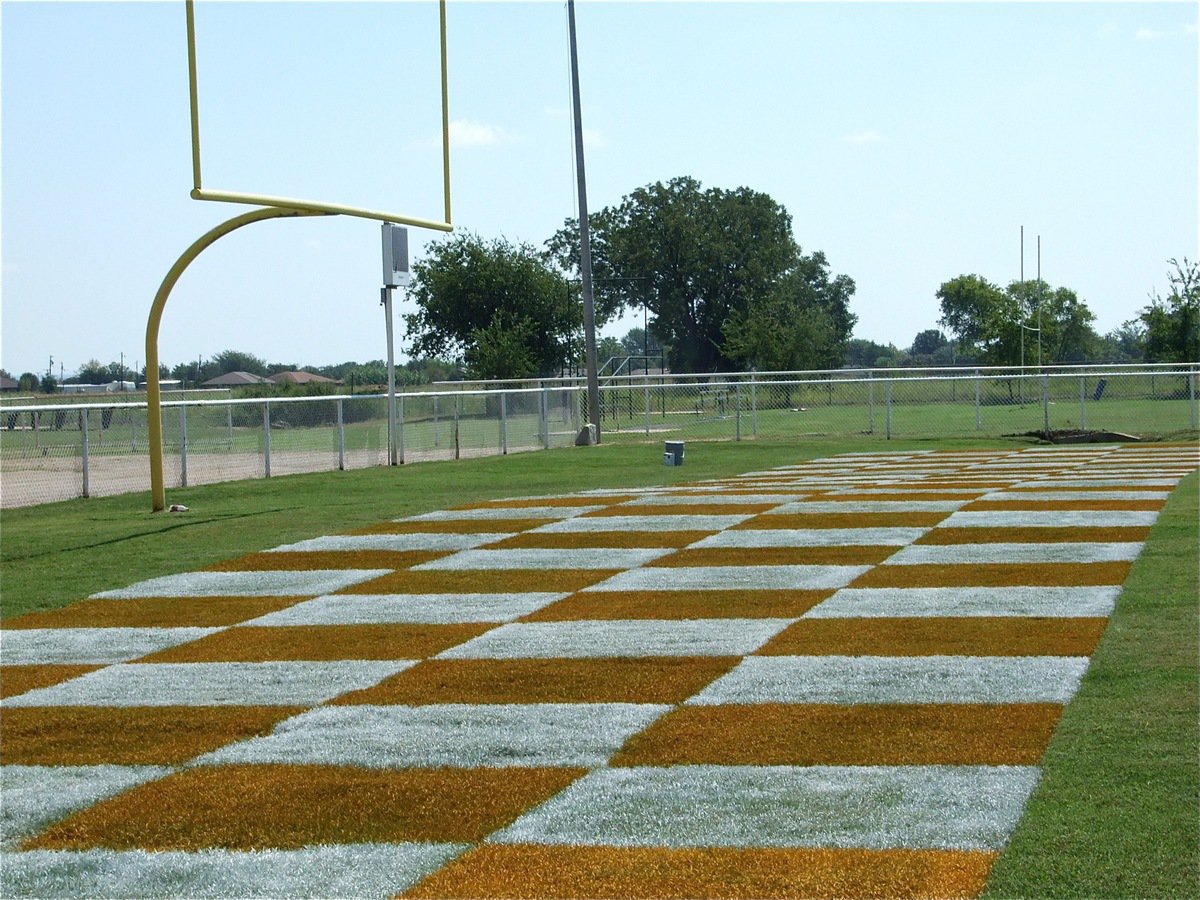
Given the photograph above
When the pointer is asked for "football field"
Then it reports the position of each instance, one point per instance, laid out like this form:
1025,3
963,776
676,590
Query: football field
833,678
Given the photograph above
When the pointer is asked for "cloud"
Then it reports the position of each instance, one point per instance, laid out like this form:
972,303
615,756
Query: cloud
468,133
870,136
1188,29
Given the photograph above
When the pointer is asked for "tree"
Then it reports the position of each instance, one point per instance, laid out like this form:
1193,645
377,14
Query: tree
641,342
864,354
699,260
234,361
1124,344
49,385
92,372
1173,324
499,307
28,382
928,342
1017,324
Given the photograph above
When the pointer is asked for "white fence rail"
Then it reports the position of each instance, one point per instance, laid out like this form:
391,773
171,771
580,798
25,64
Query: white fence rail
61,451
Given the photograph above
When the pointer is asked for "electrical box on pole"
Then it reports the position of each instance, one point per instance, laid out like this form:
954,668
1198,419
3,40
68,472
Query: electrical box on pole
395,256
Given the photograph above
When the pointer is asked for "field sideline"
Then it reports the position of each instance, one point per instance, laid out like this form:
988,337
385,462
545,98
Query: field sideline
1114,815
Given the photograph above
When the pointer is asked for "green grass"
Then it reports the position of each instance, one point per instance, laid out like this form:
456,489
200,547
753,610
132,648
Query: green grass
1117,812
57,553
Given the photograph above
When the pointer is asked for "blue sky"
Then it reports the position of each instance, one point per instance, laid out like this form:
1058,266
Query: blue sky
909,142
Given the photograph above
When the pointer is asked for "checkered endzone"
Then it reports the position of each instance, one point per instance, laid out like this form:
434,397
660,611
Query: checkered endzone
829,679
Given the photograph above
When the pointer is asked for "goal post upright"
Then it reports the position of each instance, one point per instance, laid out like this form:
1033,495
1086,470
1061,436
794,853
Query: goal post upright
269,207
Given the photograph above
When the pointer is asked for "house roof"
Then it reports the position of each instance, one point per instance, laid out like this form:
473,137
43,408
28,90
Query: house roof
7,384
300,378
234,379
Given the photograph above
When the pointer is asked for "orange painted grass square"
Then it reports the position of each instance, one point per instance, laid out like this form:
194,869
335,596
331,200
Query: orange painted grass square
901,495
455,526
1034,534
849,555
248,807
481,581
521,871
800,521
320,642
932,636
779,734
552,540
995,575
154,612
620,680
310,560
723,604
16,680
128,735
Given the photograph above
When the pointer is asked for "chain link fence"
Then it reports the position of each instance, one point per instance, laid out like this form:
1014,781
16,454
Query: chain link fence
67,450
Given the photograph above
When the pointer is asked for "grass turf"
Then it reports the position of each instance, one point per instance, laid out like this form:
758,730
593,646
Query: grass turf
1114,815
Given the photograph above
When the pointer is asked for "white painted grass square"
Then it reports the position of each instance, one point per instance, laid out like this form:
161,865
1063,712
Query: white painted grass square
1066,552
214,684
711,578
33,646
619,638
1074,481
705,496
246,584
453,735
339,870
1060,518
503,512
37,796
1065,602
649,523
898,679
1045,492
868,506
874,807
417,609
591,558
400,542
812,537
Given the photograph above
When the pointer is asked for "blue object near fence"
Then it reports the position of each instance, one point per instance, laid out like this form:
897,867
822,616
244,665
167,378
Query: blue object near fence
1100,386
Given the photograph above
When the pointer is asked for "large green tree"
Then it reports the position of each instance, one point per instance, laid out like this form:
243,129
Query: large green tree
499,307
1172,324
710,265
1008,326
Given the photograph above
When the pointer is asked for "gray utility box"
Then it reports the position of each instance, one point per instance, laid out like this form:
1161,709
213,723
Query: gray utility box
673,453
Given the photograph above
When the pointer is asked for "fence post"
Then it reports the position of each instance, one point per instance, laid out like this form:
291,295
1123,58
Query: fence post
870,402
646,390
888,400
229,426
544,419
1192,396
457,413
1046,404
1082,401
753,406
503,423
737,407
436,441
183,446
83,421
266,440
978,403
400,429
341,432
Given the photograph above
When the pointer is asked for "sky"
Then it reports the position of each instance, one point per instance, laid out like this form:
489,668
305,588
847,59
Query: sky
910,143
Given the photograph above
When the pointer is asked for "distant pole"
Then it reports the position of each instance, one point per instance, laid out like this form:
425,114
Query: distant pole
385,298
1039,298
585,249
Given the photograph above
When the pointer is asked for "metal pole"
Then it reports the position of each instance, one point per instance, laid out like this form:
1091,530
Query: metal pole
341,432
400,429
503,423
267,440
585,250
183,446
888,400
978,403
1046,403
83,421
1082,401
385,295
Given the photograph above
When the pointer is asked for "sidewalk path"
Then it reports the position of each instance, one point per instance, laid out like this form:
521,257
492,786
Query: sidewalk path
830,679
